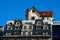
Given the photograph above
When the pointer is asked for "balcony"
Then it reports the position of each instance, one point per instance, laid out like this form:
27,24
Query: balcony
26,29
41,31
29,36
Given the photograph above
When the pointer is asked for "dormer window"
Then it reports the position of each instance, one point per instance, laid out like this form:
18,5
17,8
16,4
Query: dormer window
10,23
33,18
18,24
33,10
38,22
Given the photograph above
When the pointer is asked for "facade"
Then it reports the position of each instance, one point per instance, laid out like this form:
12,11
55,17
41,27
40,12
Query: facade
43,22
42,29
56,31
1,32
37,26
13,28
27,27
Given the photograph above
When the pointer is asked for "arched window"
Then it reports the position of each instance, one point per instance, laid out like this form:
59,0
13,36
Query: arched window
38,22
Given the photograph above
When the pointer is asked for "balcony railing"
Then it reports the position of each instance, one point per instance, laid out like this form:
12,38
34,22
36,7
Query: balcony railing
28,36
38,24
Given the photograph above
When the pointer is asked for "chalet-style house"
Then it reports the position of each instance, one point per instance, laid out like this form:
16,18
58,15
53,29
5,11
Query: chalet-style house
33,14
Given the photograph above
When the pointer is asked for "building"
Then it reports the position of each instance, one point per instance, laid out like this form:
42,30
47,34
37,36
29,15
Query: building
1,32
27,27
56,31
44,20
13,28
37,26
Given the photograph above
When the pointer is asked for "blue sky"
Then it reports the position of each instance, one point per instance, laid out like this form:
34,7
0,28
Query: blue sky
16,9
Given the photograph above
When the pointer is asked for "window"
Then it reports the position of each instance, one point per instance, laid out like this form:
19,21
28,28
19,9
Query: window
16,27
29,33
25,27
25,33
33,10
10,23
38,22
21,33
13,27
36,33
8,34
45,22
18,23
32,18
30,27
8,27
0,28
45,26
38,27
45,33
15,32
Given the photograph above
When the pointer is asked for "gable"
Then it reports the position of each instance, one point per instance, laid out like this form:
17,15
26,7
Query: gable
38,14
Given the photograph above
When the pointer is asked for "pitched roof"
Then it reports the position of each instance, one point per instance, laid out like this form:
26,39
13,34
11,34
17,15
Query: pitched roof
46,14
41,13
1,26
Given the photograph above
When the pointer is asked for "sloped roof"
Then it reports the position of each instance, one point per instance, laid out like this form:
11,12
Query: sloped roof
42,13
46,14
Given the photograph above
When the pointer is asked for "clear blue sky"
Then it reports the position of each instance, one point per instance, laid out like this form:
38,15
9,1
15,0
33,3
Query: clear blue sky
16,9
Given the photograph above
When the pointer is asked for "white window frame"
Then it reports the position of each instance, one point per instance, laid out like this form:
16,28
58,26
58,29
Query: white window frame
38,22
7,34
17,23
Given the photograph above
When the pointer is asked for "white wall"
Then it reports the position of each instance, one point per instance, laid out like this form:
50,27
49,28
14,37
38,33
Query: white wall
35,14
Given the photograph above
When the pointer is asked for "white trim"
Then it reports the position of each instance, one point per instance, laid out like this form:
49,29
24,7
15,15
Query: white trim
24,21
56,21
55,24
10,21
51,33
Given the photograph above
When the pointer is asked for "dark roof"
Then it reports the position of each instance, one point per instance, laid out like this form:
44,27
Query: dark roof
46,14
1,26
